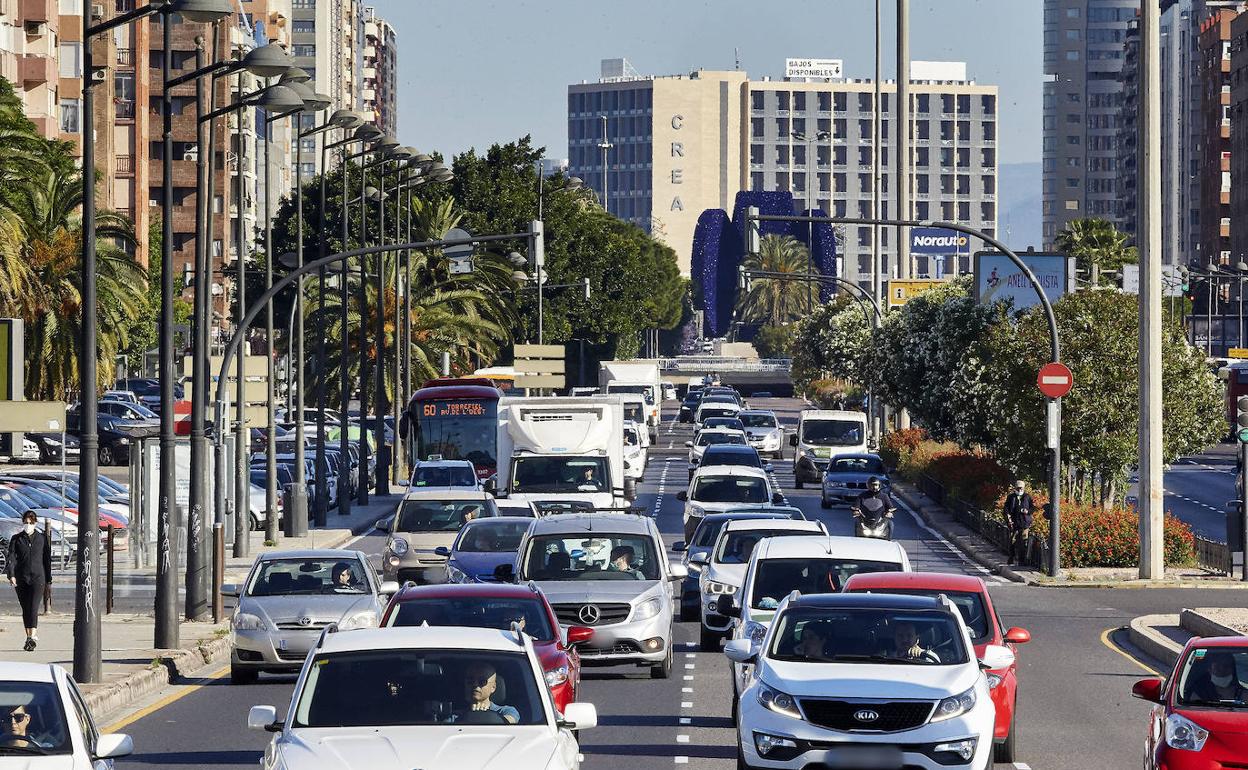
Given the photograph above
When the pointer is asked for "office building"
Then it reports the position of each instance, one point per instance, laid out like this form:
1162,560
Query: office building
379,93
1239,138
678,145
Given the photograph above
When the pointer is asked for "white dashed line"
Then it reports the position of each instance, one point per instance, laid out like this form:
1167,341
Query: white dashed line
686,720
690,665
682,738
686,689
681,760
688,677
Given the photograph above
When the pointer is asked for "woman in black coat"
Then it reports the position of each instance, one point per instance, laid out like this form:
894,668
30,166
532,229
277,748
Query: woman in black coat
29,567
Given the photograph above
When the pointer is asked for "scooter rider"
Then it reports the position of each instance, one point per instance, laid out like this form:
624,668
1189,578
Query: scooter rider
873,511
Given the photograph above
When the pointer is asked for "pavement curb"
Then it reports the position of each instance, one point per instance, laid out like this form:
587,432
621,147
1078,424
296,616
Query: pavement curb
1196,624
994,566
1153,644
113,698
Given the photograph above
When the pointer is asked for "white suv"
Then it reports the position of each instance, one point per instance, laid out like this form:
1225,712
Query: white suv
720,488
867,680
436,696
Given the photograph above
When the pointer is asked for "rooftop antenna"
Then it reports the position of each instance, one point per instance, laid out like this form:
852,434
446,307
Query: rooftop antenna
736,55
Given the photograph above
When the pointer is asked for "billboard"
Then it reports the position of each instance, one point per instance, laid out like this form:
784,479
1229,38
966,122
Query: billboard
814,68
941,246
997,278
1171,280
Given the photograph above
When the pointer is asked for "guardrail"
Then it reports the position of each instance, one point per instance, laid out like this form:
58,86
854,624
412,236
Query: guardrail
1213,555
724,364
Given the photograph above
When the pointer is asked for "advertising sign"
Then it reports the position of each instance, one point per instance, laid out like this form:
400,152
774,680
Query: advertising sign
938,242
814,68
901,291
998,279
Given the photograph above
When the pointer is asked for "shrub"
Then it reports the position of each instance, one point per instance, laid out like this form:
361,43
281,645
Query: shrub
974,477
899,444
1095,537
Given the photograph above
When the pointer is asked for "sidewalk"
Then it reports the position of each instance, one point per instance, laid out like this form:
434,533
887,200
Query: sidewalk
132,667
1162,637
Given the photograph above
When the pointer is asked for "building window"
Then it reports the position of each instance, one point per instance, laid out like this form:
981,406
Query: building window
756,181
824,100
70,60
1072,56
923,103
782,155
303,26
71,116
925,129
990,185
990,131
799,155
756,127
303,49
782,101
123,94
840,101
922,157
756,101
782,128
799,101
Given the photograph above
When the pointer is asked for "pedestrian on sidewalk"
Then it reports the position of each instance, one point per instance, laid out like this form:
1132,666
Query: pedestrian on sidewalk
1019,517
28,565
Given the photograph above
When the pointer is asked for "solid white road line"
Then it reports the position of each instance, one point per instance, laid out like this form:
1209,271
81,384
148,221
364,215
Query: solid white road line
970,564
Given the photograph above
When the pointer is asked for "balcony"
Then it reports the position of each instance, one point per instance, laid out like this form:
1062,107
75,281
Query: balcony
39,10
125,164
125,57
124,109
37,68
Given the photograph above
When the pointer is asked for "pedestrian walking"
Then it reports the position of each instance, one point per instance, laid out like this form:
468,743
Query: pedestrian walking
28,564
1019,517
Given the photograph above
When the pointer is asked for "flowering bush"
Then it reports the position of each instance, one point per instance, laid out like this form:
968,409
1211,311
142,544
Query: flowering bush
899,444
1095,537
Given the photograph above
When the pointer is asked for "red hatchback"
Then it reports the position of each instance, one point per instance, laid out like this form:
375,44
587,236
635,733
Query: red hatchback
970,595
1200,720
498,605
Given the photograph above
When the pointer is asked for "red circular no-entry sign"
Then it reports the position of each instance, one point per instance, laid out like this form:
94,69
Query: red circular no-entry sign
1055,380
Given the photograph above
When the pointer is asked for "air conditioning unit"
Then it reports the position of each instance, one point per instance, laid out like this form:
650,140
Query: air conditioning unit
97,12
191,154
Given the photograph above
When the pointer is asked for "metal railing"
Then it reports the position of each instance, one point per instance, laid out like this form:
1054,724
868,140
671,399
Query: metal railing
1213,555
987,524
724,364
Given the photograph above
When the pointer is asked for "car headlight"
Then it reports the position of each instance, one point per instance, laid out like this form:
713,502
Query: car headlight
398,546
955,706
755,632
965,749
557,676
365,619
648,609
994,680
244,621
715,587
696,510
779,702
1183,733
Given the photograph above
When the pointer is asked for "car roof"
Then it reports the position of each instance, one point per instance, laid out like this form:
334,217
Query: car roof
310,553
11,671
446,493
592,521
729,470
732,449
928,581
868,601
754,515
443,463
421,637
821,414
470,590
797,525
832,545
719,430
1218,641
767,412
856,456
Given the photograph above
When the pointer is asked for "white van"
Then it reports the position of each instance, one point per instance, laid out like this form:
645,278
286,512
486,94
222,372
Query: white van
821,435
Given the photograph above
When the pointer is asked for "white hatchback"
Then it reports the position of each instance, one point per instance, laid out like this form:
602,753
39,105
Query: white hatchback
719,488
442,698
47,723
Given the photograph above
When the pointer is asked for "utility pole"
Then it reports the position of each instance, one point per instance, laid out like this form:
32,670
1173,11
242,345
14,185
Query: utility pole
604,145
902,129
875,416
1152,564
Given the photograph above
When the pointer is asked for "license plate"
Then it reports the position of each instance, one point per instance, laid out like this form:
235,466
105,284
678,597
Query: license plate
864,758
281,644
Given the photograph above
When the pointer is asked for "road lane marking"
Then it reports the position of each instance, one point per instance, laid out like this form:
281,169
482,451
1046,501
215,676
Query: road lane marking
686,689
688,677
682,738
152,708
1105,640
686,705
681,760
975,567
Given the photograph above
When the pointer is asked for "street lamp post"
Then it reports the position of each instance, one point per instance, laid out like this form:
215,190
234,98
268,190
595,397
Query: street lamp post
812,143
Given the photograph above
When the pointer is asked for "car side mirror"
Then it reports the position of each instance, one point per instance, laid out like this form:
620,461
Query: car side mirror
996,657
229,589
630,490
777,498
1147,689
579,716
505,573
726,607
442,551
682,495
678,546
793,440
689,444
263,718
1018,635
677,571
491,485
699,561
740,651
113,745
389,588
579,634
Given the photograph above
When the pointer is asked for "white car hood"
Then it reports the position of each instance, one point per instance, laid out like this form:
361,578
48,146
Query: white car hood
18,762
732,574
868,680
438,747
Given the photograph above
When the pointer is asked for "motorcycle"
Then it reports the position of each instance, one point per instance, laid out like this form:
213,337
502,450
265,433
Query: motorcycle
876,522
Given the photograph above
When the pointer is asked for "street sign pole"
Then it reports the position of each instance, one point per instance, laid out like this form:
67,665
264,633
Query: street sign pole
1054,381
1243,507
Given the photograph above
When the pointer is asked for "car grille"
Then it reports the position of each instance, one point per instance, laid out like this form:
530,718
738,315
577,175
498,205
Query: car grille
893,715
570,614
619,648
294,625
292,656
849,484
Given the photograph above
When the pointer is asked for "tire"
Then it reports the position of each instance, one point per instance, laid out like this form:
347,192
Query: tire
1006,751
663,670
734,715
687,613
824,502
741,764
256,525
106,455
239,675
708,640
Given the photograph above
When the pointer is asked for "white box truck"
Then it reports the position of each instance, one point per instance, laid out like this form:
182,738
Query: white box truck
640,376
562,453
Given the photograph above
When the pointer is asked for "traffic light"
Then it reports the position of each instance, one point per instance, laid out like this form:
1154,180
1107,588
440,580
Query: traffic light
1241,419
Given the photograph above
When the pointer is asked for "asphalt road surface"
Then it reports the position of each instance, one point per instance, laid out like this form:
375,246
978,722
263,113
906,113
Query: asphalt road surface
1075,706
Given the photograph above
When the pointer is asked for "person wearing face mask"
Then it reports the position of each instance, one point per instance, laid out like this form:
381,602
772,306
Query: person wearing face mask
29,568
1223,681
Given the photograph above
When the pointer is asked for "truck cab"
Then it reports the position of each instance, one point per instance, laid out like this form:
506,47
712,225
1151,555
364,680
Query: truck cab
821,435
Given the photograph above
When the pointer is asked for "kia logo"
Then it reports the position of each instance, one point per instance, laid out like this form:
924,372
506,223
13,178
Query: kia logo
589,614
866,715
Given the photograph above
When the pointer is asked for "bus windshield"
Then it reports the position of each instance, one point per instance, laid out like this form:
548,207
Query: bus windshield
458,429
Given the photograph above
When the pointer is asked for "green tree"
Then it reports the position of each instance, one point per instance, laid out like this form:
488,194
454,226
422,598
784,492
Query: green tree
831,342
1098,248
775,300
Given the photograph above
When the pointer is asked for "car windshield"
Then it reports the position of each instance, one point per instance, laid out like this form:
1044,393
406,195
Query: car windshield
591,556
832,432
492,535
729,489
775,579
856,465
724,422
375,688
438,515
630,437
758,420
906,637
560,474
736,546
33,720
635,412
710,439
476,612
444,476
970,605
1213,677
746,459
708,530
714,411
645,391
284,577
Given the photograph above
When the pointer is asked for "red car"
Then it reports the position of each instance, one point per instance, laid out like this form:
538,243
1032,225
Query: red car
498,605
971,597
1200,720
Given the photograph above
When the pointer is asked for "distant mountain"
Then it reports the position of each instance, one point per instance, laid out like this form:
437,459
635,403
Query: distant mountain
1018,205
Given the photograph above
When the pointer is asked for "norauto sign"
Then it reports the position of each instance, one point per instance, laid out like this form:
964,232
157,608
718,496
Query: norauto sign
934,241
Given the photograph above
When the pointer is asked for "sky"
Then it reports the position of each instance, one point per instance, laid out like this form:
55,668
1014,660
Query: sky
476,72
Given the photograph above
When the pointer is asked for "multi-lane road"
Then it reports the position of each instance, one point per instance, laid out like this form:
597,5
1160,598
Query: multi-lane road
1075,705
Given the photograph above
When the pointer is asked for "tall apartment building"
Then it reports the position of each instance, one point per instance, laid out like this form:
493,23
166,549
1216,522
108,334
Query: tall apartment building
1128,130
681,144
379,101
41,55
325,41
1215,163
1239,138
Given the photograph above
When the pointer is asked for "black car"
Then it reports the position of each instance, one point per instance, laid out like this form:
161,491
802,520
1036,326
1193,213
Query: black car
148,391
53,447
689,406
116,434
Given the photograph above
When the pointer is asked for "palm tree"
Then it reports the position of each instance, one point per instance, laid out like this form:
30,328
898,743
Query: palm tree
774,301
1097,246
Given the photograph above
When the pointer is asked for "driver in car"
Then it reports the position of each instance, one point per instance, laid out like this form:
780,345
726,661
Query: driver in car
906,644
480,682
622,561
16,728
589,481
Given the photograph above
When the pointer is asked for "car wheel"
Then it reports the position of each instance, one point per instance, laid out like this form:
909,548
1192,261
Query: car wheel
741,763
239,675
106,455
256,525
1006,751
45,455
663,670
708,640
824,502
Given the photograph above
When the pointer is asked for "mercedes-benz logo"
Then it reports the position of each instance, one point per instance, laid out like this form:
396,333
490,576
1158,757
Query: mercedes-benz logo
305,621
866,715
589,614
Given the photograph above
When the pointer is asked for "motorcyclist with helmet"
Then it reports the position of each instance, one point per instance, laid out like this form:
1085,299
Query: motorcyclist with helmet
873,512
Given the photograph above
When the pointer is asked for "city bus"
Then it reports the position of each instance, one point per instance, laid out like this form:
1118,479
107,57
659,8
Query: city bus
456,419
